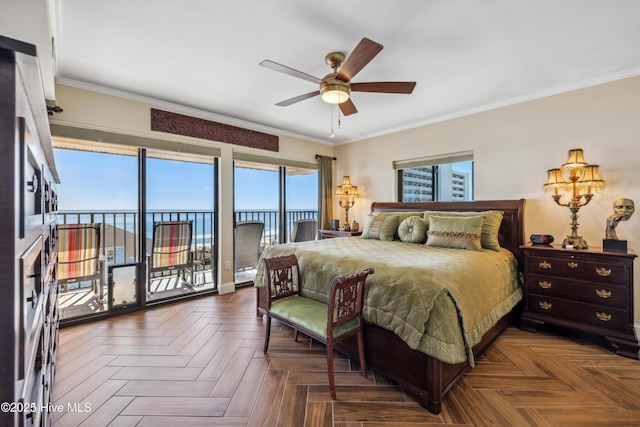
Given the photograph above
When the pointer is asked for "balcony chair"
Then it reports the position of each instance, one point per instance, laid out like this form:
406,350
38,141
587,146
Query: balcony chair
304,230
171,250
247,245
328,323
79,257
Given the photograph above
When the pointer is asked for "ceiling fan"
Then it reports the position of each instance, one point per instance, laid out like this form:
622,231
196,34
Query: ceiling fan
336,86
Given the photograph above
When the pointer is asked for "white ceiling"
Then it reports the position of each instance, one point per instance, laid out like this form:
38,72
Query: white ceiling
465,55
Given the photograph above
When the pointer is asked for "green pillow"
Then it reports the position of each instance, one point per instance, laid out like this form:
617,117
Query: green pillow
462,232
490,228
413,230
380,226
402,215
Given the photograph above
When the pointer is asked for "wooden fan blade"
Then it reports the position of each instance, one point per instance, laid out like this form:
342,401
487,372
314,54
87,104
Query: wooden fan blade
384,87
298,99
290,71
348,108
364,52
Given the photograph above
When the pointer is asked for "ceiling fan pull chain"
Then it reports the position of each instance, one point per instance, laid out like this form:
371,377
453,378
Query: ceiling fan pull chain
332,134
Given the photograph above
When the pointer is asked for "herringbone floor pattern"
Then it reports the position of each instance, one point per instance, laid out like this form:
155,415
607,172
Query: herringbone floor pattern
200,363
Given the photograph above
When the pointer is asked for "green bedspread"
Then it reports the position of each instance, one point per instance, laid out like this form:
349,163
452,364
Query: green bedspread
438,300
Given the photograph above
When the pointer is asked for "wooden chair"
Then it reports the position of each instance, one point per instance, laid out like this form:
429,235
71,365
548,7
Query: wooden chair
304,230
328,323
171,249
79,257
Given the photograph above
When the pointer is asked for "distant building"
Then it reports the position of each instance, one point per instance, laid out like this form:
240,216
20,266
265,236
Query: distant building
450,185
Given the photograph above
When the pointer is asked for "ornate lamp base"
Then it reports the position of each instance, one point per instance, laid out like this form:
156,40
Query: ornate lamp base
576,241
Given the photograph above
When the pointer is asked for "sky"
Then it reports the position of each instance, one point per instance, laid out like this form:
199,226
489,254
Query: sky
107,182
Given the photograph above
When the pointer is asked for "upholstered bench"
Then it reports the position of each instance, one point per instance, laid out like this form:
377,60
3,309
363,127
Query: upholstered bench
327,323
309,316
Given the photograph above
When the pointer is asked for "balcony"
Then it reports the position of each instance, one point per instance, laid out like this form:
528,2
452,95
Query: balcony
120,245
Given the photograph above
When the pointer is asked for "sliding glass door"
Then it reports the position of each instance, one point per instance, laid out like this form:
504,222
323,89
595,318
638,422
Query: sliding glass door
301,202
98,188
104,185
256,215
179,190
268,201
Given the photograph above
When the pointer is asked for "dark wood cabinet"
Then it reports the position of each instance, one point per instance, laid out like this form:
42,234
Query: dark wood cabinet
28,241
590,290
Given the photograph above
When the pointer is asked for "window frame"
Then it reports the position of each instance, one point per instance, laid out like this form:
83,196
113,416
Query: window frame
436,163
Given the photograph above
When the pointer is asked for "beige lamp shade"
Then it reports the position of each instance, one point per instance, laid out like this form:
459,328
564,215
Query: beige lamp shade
575,158
590,180
575,163
555,181
346,189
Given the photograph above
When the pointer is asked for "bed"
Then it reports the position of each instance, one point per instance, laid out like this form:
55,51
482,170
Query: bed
429,311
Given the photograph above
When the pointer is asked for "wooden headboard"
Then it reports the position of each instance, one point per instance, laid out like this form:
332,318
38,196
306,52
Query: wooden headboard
511,234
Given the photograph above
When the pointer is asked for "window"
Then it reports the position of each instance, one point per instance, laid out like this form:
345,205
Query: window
445,178
274,194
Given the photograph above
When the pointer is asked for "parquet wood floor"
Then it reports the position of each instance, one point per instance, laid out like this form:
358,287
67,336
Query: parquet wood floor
200,363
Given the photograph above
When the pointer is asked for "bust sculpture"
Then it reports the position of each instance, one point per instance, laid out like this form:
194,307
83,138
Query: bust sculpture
622,211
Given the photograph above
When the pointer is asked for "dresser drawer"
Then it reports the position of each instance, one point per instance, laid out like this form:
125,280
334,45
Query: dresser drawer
605,294
604,317
577,267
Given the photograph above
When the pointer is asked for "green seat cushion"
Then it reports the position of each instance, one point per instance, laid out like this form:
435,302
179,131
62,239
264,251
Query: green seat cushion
310,315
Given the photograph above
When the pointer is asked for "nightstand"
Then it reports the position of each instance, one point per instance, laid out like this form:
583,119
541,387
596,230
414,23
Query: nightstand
589,290
330,234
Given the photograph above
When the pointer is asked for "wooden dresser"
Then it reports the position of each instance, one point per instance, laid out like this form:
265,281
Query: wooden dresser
589,290
28,241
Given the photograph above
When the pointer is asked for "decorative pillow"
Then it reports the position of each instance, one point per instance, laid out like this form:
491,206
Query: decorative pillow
462,232
402,215
380,226
413,230
490,228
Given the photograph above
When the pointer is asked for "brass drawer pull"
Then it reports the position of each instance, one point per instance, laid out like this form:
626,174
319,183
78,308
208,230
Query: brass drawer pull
604,272
544,284
572,264
544,264
603,316
603,293
545,305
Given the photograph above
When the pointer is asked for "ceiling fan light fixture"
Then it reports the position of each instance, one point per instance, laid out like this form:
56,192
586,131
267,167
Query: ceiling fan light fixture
335,94
333,90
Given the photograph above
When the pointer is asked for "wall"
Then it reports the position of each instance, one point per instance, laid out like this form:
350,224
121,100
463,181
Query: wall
513,148
91,110
29,21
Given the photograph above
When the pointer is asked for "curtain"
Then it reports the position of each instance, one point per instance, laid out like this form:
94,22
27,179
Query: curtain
325,193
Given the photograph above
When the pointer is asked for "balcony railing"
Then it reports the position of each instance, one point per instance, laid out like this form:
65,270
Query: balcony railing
271,222
120,229
120,245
